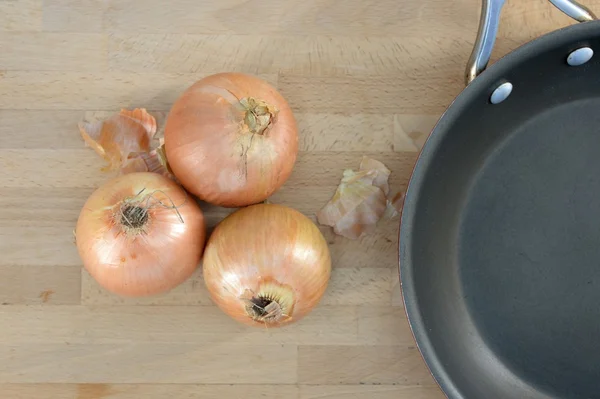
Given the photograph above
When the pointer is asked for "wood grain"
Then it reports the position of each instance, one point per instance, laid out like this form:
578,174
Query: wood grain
42,51
305,54
51,168
381,364
348,133
369,391
74,15
27,207
167,363
384,325
94,91
20,15
32,284
363,78
54,246
411,131
37,129
197,391
188,391
397,300
165,325
147,391
291,18
191,292
356,286
409,91
377,250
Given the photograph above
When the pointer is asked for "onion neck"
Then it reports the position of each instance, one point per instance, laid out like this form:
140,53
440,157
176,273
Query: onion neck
133,218
258,114
264,310
273,303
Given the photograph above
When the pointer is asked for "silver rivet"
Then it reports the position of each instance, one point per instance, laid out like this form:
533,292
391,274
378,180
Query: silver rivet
501,93
580,56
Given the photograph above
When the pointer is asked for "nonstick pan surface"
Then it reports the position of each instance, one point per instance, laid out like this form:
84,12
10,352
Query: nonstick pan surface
500,232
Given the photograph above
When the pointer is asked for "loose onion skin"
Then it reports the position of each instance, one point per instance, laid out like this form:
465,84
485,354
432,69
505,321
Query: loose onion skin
140,234
266,264
231,139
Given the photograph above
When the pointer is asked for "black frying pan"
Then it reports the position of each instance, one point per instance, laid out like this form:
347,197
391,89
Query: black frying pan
500,233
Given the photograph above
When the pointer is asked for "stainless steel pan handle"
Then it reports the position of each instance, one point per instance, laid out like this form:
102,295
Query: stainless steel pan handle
488,28
574,10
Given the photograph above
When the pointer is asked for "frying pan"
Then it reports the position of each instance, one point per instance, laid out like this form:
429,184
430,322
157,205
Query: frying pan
500,233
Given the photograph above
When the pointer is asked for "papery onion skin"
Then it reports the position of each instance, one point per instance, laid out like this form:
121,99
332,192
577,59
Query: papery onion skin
120,136
271,252
221,152
149,260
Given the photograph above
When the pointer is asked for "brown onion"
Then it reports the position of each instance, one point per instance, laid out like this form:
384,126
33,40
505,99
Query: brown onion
266,264
140,234
231,139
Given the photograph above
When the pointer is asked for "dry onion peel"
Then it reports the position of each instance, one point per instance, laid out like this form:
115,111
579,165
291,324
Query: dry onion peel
356,206
394,206
360,200
139,234
119,135
266,265
380,171
124,140
154,161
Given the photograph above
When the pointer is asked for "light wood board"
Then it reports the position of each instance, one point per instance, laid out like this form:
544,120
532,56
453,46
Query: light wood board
368,77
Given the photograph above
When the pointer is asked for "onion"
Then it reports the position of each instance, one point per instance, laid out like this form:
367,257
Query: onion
231,139
266,264
140,234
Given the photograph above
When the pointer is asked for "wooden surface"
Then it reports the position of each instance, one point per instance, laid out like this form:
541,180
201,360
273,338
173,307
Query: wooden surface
364,77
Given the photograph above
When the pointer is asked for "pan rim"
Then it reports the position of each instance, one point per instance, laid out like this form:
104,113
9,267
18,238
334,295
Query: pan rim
571,35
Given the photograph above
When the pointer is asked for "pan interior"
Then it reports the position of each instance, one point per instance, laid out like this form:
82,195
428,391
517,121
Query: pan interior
500,233
529,250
